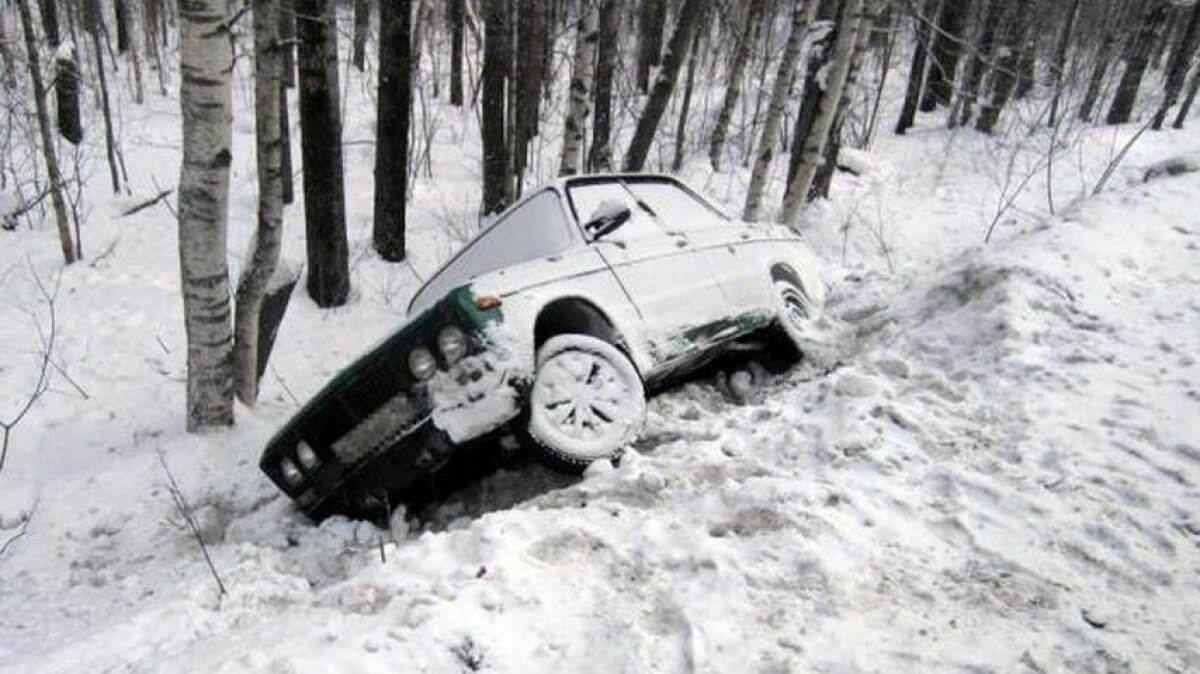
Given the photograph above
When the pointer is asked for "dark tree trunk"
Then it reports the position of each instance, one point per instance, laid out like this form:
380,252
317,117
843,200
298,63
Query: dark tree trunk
285,140
1099,69
1137,62
1060,57
1181,59
733,91
1004,80
1187,102
527,81
916,72
984,54
92,8
688,84
49,11
600,156
287,35
664,84
321,149
495,74
122,12
1026,67
456,19
650,26
947,49
66,93
391,145
362,22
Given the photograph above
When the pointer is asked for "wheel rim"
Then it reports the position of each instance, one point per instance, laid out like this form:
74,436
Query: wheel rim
795,308
584,401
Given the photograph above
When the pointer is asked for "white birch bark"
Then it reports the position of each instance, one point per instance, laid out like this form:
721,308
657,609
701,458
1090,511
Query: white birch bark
581,87
801,19
133,18
206,60
264,254
813,150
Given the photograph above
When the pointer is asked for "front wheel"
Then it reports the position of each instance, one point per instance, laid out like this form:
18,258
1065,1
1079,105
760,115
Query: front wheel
797,314
587,402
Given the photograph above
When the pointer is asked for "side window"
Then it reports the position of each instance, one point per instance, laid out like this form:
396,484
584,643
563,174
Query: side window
586,198
675,206
534,229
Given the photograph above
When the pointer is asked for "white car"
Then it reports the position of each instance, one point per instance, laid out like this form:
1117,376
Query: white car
552,324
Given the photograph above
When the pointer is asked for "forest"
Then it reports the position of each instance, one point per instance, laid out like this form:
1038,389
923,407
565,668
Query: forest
209,207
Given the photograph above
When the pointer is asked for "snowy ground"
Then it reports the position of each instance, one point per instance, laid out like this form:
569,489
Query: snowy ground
991,465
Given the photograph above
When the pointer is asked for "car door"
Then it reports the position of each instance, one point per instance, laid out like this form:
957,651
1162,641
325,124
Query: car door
665,271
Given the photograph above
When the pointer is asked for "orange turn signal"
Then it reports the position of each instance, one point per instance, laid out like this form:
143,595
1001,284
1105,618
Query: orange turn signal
486,302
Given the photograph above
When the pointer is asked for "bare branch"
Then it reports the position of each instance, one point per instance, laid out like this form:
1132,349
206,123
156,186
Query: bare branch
185,511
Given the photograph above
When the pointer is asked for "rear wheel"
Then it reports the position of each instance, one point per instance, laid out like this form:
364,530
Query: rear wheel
587,402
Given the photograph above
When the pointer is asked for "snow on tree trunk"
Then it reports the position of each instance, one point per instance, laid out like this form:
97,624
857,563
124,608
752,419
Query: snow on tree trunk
362,21
66,93
206,61
814,144
947,49
264,254
321,149
1138,60
1004,80
581,87
916,71
733,92
391,146
1181,60
43,117
456,20
664,84
802,16
494,76
600,156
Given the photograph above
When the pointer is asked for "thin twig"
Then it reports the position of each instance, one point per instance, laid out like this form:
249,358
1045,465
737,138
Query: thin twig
182,506
283,384
24,527
43,380
141,206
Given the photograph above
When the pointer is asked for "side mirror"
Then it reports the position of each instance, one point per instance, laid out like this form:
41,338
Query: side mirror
606,219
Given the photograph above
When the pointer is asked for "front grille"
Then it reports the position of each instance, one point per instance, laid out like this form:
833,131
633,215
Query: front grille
381,429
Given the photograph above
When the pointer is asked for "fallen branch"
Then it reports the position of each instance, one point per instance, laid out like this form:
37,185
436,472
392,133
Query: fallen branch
185,511
141,206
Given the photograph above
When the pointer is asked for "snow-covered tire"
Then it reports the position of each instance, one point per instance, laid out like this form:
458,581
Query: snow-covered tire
797,314
587,402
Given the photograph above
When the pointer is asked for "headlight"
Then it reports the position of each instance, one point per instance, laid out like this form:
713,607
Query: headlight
308,457
421,363
291,474
452,343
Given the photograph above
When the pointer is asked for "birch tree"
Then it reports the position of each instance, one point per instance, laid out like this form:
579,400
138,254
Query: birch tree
581,87
47,138
391,147
664,84
206,60
802,16
264,255
814,144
